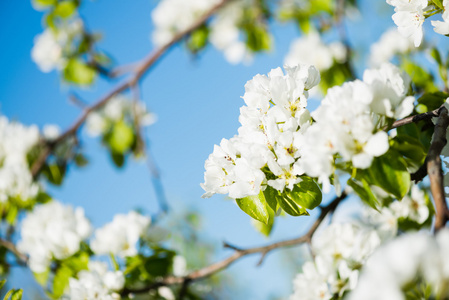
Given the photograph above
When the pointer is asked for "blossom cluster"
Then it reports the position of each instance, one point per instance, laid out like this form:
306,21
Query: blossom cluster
119,107
322,56
16,141
52,46
172,16
52,231
410,15
266,150
391,43
350,120
120,237
277,142
95,283
414,262
225,33
341,250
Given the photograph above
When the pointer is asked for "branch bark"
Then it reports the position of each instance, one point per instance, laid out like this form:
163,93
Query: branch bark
239,253
139,71
417,118
12,248
435,170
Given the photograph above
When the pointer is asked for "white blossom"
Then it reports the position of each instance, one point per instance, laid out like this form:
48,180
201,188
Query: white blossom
119,107
311,50
52,231
412,259
272,122
120,237
51,47
443,27
225,34
390,44
16,180
409,17
96,283
173,16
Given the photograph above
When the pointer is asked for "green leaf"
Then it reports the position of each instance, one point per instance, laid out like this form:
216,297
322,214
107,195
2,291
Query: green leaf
44,3
420,77
257,37
410,147
118,159
11,216
61,280
438,4
121,137
160,264
291,207
265,229
8,294
65,9
198,39
17,295
363,190
54,173
2,283
42,278
436,54
43,197
271,195
78,262
389,172
256,207
307,193
80,160
432,101
76,71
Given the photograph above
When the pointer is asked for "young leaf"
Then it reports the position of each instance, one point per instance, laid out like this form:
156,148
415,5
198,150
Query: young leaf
271,196
121,137
61,280
256,207
17,295
76,71
363,189
291,207
306,193
65,9
389,172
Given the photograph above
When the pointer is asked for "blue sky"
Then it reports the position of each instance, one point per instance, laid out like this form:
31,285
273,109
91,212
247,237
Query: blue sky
197,102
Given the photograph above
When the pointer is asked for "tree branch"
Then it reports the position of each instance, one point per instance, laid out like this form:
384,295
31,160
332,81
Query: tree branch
239,253
11,247
417,118
435,170
139,71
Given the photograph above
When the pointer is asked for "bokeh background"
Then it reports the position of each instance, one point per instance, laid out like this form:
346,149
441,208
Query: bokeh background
196,100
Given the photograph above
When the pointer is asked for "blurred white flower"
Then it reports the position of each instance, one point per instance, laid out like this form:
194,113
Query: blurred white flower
52,231
390,44
120,237
311,50
96,283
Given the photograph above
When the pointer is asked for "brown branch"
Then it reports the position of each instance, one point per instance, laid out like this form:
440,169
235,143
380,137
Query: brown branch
435,170
11,247
141,69
239,253
417,118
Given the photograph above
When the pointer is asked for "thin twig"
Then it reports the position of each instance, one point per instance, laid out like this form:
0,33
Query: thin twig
417,118
11,247
140,70
435,170
239,253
